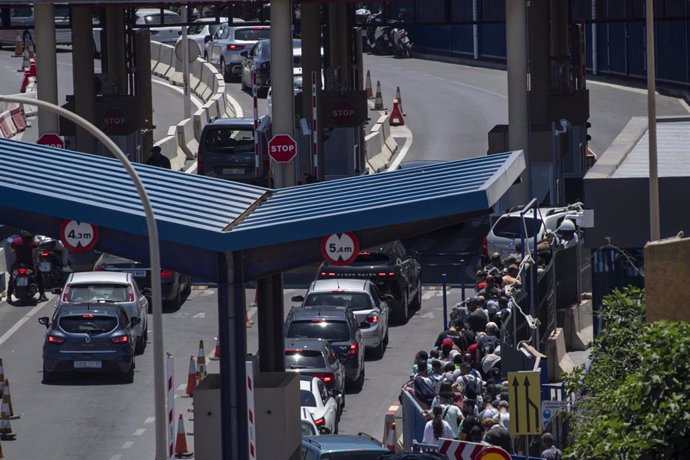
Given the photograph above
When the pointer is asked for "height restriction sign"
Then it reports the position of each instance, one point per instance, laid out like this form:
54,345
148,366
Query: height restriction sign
340,248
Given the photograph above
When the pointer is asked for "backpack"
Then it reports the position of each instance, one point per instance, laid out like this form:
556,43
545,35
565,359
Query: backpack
471,386
423,391
489,344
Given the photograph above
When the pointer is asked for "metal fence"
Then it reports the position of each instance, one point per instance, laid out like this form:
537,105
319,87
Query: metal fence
414,420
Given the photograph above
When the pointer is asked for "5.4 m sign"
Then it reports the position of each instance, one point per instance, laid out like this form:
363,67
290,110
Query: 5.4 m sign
340,248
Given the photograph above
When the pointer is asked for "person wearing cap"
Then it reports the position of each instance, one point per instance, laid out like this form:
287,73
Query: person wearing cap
158,159
550,451
480,275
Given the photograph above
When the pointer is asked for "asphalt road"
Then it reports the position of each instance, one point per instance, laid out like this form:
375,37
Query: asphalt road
449,109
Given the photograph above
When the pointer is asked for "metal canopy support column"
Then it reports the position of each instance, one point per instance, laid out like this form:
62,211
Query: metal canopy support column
233,352
83,74
270,314
46,65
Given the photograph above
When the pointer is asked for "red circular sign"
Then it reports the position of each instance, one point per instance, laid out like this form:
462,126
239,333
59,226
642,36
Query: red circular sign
340,248
79,237
115,121
51,140
343,113
282,148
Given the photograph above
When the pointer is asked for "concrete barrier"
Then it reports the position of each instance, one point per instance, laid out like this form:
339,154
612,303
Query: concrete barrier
211,110
578,325
194,74
165,61
186,139
229,108
170,149
155,55
199,119
377,159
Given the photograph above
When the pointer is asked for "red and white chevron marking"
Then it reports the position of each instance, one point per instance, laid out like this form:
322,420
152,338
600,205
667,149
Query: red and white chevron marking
460,450
171,406
250,410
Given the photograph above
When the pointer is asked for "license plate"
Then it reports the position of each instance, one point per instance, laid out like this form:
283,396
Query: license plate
405,40
233,171
44,266
87,365
139,273
22,281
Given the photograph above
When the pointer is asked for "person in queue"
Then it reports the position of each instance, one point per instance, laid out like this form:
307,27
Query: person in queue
23,248
158,159
437,428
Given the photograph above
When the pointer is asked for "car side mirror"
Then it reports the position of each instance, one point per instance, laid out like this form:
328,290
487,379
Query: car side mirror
324,430
297,298
45,321
134,321
244,53
208,38
56,291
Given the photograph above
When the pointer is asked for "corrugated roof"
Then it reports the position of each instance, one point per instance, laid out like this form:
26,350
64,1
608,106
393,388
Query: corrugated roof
673,153
224,216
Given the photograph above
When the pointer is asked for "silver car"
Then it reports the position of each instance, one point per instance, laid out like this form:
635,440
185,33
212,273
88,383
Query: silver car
223,50
99,289
365,301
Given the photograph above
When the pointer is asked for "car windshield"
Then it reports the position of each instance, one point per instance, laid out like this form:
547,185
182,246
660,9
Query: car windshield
368,258
253,33
87,324
308,429
97,292
297,359
354,455
355,300
509,227
333,331
197,29
229,140
307,398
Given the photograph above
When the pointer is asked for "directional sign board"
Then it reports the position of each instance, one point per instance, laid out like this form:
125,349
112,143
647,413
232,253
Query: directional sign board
51,140
78,236
524,399
282,148
340,248
549,409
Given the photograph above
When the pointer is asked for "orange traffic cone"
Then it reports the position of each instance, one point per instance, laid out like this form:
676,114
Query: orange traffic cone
370,92
181,448
18,51
390,439
25,61
396,118
191,378
6,432
378,102
201,362
216,351
397,96
6,394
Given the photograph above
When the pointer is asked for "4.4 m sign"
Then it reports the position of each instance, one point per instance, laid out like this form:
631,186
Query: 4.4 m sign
282,148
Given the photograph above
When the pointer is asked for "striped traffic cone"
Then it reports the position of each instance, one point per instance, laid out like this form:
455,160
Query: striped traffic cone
216,351
370,92
6,394
390,439
378,102
18,49
6,433
201,362
191,378
181,448
397,96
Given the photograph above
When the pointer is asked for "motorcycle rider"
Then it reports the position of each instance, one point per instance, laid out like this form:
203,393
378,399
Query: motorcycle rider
23,247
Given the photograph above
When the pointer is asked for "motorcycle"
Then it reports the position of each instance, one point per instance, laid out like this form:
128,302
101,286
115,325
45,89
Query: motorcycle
402,45
25,285
378,35
49,262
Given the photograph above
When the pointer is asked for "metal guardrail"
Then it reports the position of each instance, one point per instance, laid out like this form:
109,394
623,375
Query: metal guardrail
414,419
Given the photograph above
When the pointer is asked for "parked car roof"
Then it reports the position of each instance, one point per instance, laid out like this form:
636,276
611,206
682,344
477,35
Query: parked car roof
99,277
336,442
319,311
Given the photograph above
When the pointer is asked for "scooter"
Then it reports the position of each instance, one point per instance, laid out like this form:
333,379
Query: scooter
378,35
49,262
25,285
401,43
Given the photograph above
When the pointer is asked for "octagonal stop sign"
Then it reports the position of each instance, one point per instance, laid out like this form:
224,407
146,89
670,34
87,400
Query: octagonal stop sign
343,113
282,148
51,140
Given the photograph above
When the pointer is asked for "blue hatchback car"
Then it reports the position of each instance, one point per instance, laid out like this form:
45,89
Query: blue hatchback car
342,447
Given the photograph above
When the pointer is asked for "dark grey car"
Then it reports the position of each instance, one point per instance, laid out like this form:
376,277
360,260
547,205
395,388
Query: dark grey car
339,327
81,338
316,358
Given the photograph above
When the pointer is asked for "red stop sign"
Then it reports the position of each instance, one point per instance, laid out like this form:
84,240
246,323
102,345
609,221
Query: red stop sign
115,121
343,113
282,148
51,140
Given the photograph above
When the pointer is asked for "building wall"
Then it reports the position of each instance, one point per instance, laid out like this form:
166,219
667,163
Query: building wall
666,262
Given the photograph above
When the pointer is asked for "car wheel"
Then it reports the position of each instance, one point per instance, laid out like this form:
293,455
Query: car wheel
244,87
335,430
402,314
224,70
385,339
359,383
128,377
48,377
141,342
175,303
380,350
188,287
417,302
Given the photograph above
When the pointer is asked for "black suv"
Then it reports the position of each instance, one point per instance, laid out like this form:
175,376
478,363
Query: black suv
337,325
81,338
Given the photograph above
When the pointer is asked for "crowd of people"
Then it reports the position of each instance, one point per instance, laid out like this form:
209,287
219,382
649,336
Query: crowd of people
458,382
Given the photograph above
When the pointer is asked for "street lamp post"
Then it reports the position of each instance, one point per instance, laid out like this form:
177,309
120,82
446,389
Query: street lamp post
154,254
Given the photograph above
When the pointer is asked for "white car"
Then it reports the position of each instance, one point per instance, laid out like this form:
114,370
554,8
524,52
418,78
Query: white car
101,289
316,399
153,19
23,18
226,45
202,30
308,426
508,229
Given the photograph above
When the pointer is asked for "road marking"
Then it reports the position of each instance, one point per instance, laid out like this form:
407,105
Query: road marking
684,104
21,322
127,445
139,432
401,132
429,315
150,420
478,89
116,457
619,87
428,294
200,315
